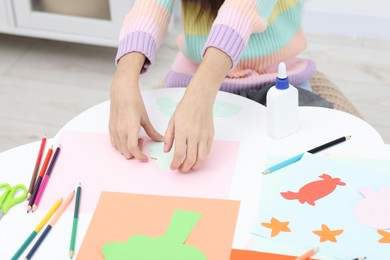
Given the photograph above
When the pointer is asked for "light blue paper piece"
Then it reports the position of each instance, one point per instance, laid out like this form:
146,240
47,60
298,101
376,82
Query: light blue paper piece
335,210
166,105
221,109
163,160
270,185
224,109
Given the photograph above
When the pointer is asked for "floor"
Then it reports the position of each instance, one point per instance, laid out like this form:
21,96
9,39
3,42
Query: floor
44,84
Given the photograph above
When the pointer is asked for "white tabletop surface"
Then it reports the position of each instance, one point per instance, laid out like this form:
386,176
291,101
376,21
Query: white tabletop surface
248,126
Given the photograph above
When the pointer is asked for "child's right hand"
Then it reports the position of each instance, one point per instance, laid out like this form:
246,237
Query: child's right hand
128,113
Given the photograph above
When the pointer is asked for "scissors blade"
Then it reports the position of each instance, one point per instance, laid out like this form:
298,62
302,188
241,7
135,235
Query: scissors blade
1,214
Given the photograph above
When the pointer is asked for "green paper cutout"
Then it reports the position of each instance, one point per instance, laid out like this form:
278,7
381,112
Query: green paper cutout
224,109
169,246
221,109
181,225
166,105
163,160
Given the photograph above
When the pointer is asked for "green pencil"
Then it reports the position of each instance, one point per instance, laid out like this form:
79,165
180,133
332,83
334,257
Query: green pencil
75,221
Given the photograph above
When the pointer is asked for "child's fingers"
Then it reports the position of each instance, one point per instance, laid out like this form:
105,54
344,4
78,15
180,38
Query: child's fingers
190,157
168,137
151,131
180,152
202,154
122,146
133,147
113,140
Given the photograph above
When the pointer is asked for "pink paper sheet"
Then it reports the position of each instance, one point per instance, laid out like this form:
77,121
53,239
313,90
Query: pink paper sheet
374,210
90,159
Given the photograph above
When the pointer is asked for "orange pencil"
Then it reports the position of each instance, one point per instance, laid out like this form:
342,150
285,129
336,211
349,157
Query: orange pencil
308,254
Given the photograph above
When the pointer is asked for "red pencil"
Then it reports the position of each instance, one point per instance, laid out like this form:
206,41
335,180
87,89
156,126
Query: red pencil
36,168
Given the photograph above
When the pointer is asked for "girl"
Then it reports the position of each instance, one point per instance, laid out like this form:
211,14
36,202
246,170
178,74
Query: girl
228,45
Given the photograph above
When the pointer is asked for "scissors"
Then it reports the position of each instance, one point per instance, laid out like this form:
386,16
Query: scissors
8,200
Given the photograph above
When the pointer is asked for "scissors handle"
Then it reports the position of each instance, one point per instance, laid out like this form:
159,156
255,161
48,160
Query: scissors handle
11,200
7,188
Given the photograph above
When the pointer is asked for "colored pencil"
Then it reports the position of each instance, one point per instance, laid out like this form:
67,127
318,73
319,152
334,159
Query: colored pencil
46,179
53,221
299,156
37,229
39,179
36,168
308,254
360,258
75,222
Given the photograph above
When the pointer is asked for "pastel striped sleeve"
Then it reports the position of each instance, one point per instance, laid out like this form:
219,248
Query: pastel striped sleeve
235,22
144,29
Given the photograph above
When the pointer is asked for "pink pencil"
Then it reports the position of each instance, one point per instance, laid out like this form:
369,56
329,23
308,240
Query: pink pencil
46,179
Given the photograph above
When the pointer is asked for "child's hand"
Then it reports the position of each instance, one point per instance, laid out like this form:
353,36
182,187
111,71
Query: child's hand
191,128
127,111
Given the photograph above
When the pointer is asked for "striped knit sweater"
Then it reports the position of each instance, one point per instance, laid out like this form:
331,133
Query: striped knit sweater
255,34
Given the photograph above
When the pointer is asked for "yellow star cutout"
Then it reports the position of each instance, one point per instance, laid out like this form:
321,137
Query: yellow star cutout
385,238
327,234
276,226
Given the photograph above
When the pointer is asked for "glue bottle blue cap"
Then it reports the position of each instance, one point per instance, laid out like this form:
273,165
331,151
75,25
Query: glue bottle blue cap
282,79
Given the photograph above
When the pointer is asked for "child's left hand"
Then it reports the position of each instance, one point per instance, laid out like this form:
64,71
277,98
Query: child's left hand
191,129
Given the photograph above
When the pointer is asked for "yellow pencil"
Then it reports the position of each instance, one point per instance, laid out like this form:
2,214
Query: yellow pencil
37,229
308,254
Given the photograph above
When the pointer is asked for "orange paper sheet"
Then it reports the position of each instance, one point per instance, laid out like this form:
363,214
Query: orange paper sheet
249,255
119,216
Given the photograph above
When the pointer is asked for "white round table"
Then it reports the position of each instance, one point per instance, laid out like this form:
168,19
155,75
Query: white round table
246,125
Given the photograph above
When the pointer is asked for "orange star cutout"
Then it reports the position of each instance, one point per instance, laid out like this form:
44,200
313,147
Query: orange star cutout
385,238
327,234
276,226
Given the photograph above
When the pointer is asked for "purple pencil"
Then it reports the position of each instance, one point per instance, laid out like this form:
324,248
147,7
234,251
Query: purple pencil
46,179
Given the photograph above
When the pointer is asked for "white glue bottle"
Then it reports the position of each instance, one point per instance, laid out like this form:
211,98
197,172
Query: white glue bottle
282,106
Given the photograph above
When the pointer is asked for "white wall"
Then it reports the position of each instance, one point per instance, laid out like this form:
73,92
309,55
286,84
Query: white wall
372,7
356,18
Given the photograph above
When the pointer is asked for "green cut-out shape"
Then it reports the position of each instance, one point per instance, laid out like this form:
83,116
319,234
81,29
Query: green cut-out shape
166,105
163,160
221,109
224,109
167,247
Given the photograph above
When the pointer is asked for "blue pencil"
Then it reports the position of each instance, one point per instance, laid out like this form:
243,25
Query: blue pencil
299,156
38,243
283,164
